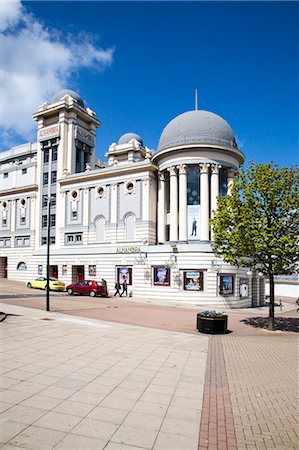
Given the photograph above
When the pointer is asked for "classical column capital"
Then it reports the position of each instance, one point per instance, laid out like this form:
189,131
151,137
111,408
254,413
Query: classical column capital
231,172
215,168
161,176
172,170
204,167
183,169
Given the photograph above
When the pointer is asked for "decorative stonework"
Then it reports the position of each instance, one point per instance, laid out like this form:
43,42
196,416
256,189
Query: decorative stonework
161,176
183,169
231,173
215,168
172,170
204,167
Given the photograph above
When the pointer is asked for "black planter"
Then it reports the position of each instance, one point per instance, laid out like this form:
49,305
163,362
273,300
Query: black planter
212,325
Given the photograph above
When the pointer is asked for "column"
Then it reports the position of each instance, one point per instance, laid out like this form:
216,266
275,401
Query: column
214,189
183,203
161,207
173,204
113,211
204,201
230,179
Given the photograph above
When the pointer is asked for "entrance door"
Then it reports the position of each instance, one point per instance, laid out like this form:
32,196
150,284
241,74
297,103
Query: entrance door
77,273
3,267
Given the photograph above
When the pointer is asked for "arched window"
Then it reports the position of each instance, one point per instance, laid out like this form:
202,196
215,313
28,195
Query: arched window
21,266
100,229
130,227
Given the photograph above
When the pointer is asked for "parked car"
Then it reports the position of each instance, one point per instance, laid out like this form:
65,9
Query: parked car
41,283
88,287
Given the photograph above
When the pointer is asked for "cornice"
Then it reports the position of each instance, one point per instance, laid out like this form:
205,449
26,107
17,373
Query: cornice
19,190
179,148
114,172
52,110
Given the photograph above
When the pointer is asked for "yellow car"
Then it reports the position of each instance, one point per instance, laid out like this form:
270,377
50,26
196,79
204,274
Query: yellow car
41,283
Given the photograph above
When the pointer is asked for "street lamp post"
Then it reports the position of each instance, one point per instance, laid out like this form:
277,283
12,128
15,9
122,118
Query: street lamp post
48,254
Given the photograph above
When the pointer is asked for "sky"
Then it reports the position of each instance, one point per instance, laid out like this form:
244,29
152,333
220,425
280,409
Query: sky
137,65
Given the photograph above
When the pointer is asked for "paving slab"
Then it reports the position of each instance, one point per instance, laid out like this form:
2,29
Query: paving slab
111,404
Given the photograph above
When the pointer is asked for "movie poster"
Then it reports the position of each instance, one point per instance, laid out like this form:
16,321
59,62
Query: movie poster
161,276
193,280
193,222
124,274
226,284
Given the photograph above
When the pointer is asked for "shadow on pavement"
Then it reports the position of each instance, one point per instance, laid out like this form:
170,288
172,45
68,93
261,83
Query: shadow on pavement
281,323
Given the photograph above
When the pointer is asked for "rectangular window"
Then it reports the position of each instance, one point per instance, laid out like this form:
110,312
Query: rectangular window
44,221
44,240
45,178
24,171
52,220
23,220
19,242
54,154
26,241
161,276
193,280
226,284
74,214
44,201
46,155
5,175
52,239
5,242
53,176
53,199
74,238
4,222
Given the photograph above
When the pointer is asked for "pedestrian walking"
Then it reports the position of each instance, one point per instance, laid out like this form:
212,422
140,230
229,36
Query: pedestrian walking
117,289
125,289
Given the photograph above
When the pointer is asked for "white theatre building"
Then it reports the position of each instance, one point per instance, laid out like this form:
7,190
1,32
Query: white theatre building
141,215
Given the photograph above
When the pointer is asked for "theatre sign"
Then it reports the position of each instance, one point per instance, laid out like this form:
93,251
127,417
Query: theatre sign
50,132
85,136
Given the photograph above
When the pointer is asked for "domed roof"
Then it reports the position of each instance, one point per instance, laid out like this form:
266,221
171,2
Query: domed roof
64,92
197,127
126,138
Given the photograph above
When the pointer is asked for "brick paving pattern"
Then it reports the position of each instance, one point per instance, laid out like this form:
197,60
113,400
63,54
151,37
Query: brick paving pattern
263,382
250,393
217,426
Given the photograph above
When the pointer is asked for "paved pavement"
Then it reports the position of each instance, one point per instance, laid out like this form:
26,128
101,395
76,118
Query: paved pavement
76,379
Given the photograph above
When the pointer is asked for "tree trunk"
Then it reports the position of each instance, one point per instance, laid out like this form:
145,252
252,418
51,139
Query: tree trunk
271,323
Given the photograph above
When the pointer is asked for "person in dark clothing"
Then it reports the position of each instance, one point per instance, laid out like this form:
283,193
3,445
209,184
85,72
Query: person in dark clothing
194,227
125,289
117,289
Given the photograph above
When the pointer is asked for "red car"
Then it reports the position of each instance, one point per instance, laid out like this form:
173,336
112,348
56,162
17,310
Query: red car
88,287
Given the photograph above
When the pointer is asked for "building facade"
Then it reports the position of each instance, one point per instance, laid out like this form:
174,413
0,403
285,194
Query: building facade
142,216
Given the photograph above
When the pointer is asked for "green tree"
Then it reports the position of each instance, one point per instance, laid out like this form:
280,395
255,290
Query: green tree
257,223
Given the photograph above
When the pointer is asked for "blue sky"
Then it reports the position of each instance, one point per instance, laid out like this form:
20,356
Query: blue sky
241,56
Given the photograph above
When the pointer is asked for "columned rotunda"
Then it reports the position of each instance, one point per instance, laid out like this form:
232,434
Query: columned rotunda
197,157
141,216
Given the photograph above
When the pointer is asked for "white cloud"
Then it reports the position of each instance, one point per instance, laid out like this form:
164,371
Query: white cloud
10,13
35,63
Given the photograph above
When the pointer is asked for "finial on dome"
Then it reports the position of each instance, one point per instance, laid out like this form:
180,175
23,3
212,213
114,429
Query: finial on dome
196,100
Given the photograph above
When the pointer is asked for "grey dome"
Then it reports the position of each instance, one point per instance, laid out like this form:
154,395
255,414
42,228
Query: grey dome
126,138
197,127
64,92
